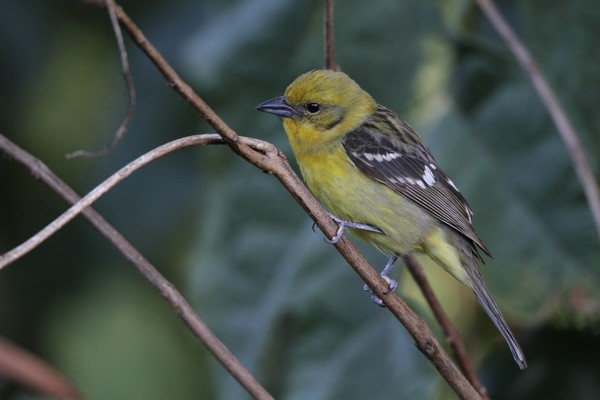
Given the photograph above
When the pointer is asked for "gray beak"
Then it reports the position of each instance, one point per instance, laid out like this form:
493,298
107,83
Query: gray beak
277,106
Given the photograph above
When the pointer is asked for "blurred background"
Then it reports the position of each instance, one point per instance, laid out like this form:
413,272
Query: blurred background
235,242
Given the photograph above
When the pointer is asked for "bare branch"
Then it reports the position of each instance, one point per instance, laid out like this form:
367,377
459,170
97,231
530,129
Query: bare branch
174,80
330,62
130,89
561,120
452,336
24,368
96,193
160,283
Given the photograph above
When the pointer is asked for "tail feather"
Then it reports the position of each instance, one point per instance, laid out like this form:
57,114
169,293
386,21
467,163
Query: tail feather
459,257
492,310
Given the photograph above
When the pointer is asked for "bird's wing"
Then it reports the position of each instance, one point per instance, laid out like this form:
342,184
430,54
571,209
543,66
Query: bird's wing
408,169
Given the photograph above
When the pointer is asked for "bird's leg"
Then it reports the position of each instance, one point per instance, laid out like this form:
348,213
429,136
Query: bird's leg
343,225
385,274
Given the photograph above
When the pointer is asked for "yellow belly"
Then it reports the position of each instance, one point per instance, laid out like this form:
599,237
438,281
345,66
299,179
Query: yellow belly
351,195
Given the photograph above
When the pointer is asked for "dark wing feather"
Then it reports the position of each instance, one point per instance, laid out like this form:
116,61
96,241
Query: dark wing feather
409,169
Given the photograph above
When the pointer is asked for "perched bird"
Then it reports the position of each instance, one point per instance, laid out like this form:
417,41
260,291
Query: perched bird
379,180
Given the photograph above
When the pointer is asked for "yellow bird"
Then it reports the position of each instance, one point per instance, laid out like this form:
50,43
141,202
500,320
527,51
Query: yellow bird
379,180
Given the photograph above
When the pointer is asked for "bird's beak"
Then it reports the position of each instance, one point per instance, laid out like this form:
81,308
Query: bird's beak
277,106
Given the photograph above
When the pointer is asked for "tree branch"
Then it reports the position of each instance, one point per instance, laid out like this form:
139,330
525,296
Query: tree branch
450,332
18,365
557,113
160,283
330,62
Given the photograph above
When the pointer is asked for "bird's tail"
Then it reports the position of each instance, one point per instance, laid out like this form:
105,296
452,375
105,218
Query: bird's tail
490,307
445,248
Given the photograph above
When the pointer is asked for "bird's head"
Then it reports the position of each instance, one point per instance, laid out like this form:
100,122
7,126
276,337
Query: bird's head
319,107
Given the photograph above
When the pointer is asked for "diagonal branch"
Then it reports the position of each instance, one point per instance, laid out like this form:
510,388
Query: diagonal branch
19,366
450,332
561,120
160,283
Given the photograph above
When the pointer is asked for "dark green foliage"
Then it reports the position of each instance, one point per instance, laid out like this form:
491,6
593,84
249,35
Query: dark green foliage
235,242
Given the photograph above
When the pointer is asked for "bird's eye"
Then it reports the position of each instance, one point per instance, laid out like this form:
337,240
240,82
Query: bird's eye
313,108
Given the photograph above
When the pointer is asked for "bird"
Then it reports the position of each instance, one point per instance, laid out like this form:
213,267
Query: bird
380,182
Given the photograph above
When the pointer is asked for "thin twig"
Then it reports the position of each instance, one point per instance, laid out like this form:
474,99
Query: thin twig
561,120
180,86
160,283
130,89
330,62
450,332
96,193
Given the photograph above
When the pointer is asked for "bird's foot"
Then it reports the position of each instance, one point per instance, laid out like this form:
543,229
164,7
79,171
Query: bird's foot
343,225
392,284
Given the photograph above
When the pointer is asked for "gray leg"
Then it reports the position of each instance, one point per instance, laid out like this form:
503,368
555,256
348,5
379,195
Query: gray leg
385,275
343,225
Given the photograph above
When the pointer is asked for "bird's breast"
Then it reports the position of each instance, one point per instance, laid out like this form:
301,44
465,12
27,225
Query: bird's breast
351,195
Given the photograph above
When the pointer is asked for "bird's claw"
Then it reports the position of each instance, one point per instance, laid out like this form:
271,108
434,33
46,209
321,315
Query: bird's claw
392,284
343,225
385,274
